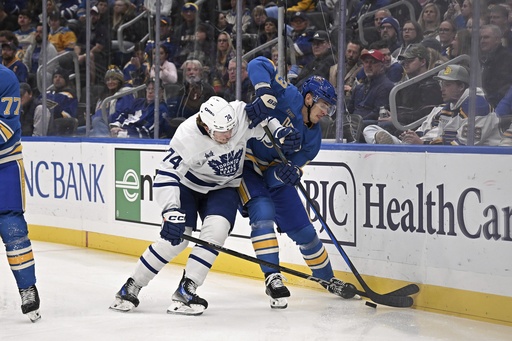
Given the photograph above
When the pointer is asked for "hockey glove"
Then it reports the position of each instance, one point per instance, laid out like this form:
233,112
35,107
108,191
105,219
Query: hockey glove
173,225
288,173
288,139
260,108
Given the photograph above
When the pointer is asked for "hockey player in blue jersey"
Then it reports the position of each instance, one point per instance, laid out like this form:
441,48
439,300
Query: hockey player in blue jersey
199,176
13,227
267,191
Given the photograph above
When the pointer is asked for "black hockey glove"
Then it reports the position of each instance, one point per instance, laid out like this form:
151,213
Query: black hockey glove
288,173
173,225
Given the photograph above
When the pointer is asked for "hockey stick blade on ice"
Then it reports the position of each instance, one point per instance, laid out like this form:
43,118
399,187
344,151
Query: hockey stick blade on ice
409,289
387,299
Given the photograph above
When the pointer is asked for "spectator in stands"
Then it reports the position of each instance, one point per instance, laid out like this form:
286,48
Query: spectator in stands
204,46
185,33
269,34
28,106
115,109
62,102
416,100
352,67
246,16
33,57
300,6
443,124
60,36
390,32
247,87
447,31
461,44
7,21
301,36
373,93
136,71
392,68
498,15
222,25
361,8
460,13
496,68
12,62
168,73
25,32
373,33
257,24
166,39
324,59
139,122
123,12
10,37
99,46
429,20
411,34
224,53
194,92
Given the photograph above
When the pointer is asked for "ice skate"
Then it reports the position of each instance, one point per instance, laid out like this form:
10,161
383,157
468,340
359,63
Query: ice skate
30,303
276,290
185,301
126,298
340,288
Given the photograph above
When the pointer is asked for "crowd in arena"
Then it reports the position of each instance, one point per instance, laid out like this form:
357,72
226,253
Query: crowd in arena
197,60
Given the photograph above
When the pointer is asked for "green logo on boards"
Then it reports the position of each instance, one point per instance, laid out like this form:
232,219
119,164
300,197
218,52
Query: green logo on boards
128,188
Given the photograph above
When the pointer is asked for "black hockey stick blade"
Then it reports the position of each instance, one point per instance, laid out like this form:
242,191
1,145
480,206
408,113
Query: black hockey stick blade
409,289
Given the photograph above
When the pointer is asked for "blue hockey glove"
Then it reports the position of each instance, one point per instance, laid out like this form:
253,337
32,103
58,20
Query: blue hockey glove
173,225
260,108
288,139
288,173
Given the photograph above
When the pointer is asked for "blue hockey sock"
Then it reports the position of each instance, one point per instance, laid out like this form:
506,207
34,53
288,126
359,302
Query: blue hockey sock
265,243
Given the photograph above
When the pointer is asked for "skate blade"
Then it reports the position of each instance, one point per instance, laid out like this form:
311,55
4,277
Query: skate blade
34,316
278,303
122,305
180,308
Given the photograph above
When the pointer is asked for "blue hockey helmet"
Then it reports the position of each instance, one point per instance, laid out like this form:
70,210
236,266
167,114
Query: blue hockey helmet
320,88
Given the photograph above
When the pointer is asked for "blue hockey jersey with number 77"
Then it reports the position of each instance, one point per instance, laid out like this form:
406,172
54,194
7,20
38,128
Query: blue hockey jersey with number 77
10,126
289,113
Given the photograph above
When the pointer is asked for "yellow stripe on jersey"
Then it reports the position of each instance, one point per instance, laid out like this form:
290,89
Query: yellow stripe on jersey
5,131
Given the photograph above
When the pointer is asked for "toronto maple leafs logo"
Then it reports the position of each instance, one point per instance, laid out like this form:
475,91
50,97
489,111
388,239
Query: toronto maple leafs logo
227,164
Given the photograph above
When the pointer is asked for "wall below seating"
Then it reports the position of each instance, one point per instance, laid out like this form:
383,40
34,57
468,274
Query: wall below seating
436,216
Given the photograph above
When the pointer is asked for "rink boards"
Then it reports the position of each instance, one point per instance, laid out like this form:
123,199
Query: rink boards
436,216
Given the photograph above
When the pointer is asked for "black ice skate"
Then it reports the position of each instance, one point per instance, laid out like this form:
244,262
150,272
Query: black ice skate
340,288
276,290
30,303
126,298
185,301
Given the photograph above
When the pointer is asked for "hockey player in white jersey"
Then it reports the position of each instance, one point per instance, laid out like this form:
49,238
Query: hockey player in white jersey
199,175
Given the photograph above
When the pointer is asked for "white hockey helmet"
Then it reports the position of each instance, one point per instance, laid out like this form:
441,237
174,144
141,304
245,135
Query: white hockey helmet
218,115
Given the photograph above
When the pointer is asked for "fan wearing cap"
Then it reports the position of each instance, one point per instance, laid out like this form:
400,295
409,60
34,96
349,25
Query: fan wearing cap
185,34
11,61
324,59
445,123
390,32
301,36
416,100
62,97
115,109
373,93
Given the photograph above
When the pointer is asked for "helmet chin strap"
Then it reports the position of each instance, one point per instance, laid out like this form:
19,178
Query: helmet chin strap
308,107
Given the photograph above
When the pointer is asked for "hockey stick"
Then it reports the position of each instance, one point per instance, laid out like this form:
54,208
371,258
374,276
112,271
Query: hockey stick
408,290
386,299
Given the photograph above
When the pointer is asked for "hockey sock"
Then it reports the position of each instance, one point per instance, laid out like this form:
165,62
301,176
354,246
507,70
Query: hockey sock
265,243
215,229
156,256
313,252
